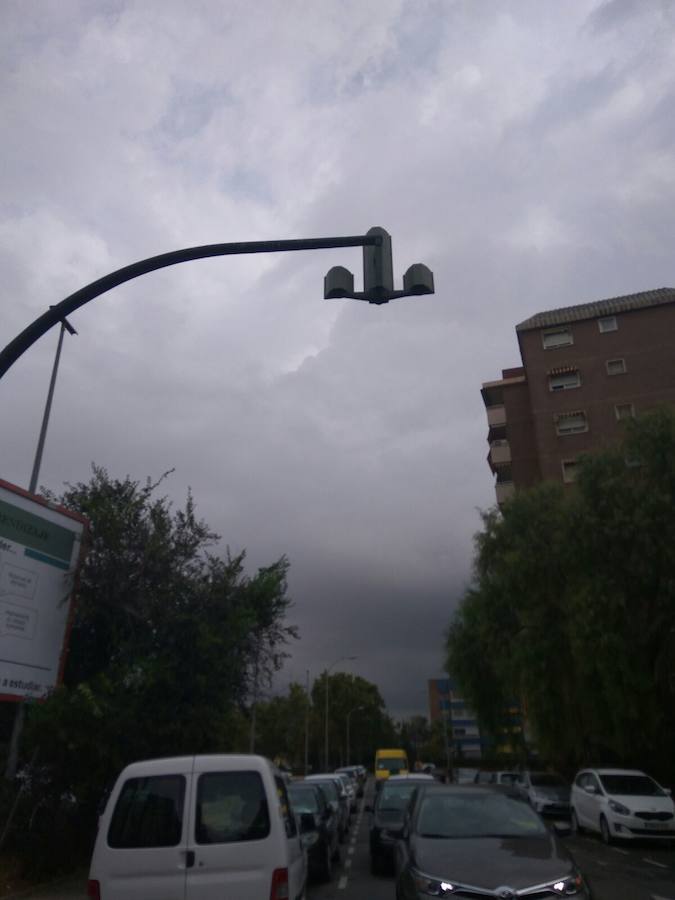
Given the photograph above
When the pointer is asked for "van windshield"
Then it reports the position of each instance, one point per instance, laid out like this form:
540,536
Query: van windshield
392,763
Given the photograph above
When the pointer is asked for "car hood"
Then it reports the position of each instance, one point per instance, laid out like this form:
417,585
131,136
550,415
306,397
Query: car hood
645,803
490,863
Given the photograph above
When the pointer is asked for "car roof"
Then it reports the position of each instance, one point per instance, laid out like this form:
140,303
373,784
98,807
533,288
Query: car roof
412,776
616,772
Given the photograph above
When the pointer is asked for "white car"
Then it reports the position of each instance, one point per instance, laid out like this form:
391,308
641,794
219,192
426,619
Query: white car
622,803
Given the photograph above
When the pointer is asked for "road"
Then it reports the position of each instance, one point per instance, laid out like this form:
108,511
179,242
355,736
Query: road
636,872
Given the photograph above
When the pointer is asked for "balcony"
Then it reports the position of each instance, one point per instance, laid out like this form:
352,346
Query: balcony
500,452
504,490
496,415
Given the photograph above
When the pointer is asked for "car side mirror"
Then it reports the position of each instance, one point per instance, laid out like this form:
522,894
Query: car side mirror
668,791
562,829
307,823
590,789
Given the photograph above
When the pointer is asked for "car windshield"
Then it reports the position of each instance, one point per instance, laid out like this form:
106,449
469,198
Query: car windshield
636,785
474,814
544,779
303,800
392,763
507,778
395,796
329,789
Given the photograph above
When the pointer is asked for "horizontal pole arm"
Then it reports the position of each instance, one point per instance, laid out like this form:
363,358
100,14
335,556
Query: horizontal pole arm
55,314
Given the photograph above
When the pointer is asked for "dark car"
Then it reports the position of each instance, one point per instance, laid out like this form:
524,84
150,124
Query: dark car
337,795
470,841
319,828
386,824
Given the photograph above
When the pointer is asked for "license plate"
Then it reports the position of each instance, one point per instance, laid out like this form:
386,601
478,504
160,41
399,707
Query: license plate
655,825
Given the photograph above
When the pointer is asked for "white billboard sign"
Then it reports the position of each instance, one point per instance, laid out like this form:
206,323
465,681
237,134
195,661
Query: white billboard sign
40,550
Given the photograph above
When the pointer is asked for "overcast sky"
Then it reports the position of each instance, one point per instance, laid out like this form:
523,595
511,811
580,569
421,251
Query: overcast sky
522,150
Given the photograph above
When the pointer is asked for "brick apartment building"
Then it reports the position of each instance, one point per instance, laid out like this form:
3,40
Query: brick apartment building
584,369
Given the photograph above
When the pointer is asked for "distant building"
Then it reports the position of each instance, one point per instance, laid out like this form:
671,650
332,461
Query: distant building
584,370
446,704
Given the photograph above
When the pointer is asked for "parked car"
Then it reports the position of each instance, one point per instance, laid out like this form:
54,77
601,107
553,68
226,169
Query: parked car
350,788
339,795
505,778
482,776
464,775
473,841
546,792
622,803
387,814
182,828
354,774
318,826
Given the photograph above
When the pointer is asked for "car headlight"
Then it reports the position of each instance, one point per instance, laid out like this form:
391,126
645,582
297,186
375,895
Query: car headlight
569,886
430,886
619,808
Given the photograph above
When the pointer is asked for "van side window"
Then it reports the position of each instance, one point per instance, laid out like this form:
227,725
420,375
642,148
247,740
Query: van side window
231,807
148,813
289,818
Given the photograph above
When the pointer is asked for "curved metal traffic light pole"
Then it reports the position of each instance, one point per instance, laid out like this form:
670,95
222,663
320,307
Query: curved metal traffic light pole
57,313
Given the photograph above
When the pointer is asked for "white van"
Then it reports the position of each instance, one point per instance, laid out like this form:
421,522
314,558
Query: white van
198,828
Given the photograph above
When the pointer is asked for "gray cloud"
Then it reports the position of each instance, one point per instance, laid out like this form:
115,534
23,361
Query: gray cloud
523,151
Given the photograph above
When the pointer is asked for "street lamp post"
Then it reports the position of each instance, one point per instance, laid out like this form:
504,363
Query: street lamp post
349,715
378,278
326,673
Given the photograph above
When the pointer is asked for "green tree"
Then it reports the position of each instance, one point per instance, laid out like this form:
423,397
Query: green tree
572,609
165,640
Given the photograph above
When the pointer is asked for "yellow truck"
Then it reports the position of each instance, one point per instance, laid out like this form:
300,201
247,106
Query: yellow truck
390,762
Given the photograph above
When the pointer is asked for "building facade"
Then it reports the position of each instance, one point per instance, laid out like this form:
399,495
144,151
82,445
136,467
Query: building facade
585,369
446,704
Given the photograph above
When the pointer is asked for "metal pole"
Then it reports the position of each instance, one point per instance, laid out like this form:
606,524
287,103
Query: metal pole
325,736
57,313
35,474
19,717
307,726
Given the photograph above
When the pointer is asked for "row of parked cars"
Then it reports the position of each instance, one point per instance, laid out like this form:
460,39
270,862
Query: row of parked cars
618,804
323,804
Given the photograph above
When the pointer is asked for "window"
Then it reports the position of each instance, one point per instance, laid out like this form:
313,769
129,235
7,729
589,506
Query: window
616,366
571,423
148,813
569,470
608,323
459,732
231,807
556,337
289,818
564,381
624,411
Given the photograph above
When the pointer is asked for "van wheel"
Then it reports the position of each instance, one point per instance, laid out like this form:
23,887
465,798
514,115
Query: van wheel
605,833
327,867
